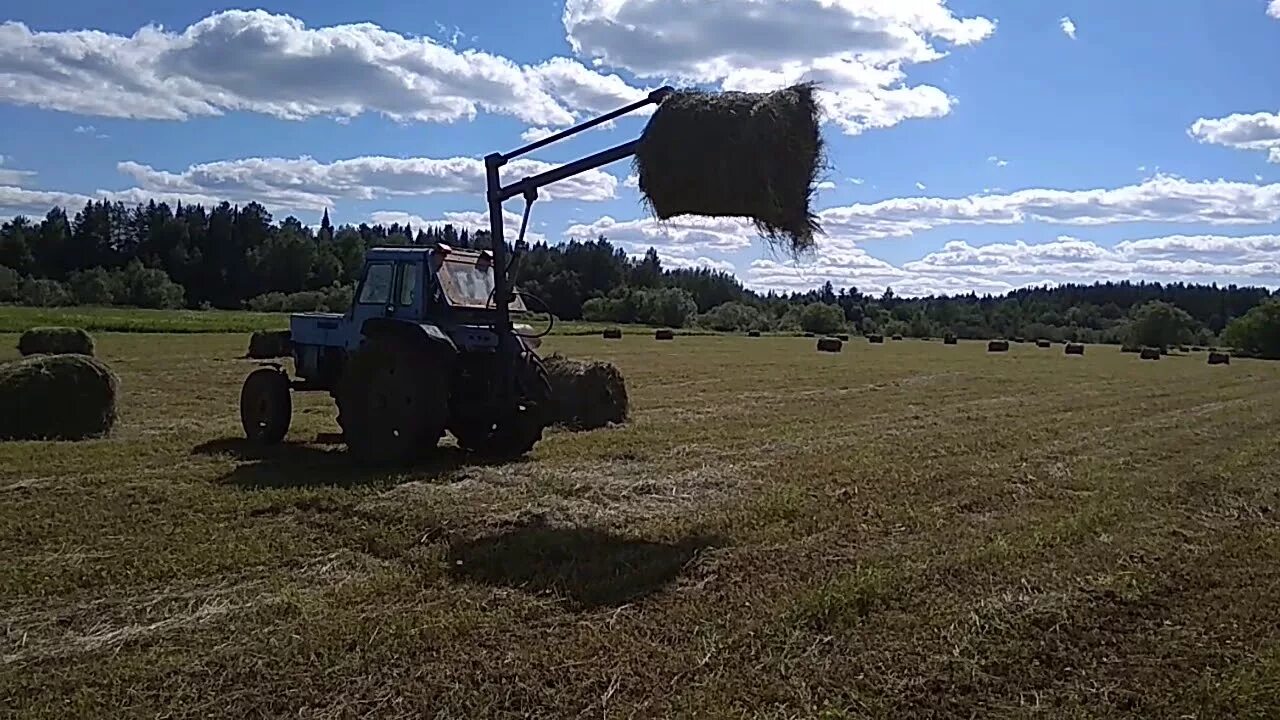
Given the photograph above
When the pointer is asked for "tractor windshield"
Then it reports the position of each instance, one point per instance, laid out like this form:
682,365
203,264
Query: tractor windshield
468,282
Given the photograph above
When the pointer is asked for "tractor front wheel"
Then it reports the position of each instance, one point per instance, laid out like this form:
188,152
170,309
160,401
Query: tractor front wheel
517,428
393,402
265,406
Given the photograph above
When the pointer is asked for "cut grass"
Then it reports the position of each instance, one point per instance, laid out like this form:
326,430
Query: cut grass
953,534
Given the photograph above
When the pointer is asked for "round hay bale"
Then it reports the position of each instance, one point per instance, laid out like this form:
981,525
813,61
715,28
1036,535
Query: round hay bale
897,337
1219,358
1043,343
829,344
664,334
1130,349
998,346
613,334
55,341
1197,348
950,339
753,333
57,397
586,394
736,154
843,337
875,339
1150,353
1184,349
269,344
1075,349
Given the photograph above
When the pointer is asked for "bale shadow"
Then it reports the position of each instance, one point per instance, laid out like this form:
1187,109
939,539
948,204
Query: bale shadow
589,568
303,465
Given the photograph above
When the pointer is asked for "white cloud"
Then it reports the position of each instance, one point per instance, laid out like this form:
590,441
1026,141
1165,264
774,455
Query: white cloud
469,220
856,181
256,61
998,162
856,49
632,181
670,262
1161,198
12,177
920,185
959,267
682,236
535,134
1259,132
826,185
1273,10
1068,27
307,183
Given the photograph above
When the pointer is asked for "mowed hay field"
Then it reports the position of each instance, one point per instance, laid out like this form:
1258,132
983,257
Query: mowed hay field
899,530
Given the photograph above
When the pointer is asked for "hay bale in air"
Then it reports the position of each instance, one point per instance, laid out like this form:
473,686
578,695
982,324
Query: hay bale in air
613,334
1150,353
1075,349
736,154
57,397
55,341
586,394
875,339
998,346
664,334
270,344
1219,358
829,344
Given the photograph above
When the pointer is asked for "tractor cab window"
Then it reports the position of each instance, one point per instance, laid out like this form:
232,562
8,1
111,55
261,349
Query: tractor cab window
377,284
408,283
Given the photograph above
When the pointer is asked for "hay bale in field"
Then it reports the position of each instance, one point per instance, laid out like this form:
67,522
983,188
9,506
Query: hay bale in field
753,333
897,337
1019,340
1075,348
1043,343
875,339
1130,349
1219,358
1184,349
57,397
736,154
1197,348
809,334
829,344
270,344
1150,353
664,334
55,341
843,337
586,394
613,334
998,346
950,339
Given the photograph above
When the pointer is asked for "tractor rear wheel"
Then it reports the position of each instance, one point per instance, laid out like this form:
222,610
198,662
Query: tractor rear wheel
393,401
516,429
265,406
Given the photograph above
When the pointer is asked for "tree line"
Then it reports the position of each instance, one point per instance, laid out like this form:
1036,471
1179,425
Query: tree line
232,257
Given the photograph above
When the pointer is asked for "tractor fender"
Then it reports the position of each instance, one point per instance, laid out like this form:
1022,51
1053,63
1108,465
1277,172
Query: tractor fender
425,333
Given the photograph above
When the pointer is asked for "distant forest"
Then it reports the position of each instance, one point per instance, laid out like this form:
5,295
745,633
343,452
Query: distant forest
157,255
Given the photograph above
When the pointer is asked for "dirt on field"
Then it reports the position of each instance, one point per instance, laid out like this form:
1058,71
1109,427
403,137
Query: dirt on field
905,530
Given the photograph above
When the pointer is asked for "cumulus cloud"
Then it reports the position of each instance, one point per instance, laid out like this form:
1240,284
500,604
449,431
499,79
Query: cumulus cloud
856,49
998,162
1257,132
256,61
13,177
826,185
683,237
1273,10
959,267
1161,198
1068,27
307,183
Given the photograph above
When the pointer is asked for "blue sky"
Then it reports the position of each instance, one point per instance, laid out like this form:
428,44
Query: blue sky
975,145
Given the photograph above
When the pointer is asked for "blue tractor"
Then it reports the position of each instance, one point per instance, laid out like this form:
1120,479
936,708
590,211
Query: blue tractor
428,345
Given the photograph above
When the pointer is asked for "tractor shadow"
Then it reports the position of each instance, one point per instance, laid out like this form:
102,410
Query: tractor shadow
586,567
305,465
